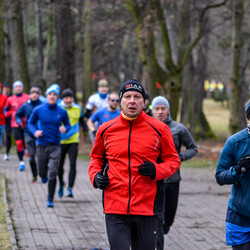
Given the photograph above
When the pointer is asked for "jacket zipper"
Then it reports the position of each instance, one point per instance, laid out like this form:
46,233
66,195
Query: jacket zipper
129,169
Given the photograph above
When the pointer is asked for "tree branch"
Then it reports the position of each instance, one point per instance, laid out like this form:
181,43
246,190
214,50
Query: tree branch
199,35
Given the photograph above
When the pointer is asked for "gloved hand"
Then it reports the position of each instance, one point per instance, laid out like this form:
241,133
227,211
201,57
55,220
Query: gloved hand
94,133
243,164
101,181
147,169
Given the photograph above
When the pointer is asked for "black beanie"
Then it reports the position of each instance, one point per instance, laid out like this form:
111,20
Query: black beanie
67,92
248,110
132,85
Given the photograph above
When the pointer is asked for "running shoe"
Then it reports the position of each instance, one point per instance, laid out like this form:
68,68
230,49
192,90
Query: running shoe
69,193
50,203
5,157
44,180
60,191
34,180
21,166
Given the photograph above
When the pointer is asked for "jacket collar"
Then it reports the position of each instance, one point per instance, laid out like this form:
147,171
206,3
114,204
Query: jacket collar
140,118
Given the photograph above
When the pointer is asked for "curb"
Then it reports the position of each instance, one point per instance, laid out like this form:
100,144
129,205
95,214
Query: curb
8,217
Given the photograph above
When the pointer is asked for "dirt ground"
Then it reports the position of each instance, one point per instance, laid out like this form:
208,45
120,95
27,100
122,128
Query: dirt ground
209,150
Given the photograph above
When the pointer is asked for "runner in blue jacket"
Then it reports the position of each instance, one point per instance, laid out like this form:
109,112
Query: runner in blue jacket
234,168
50,117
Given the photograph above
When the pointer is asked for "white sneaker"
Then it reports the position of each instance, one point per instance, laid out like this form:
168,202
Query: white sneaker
5,157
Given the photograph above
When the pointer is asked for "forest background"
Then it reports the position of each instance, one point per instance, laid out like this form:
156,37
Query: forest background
186,50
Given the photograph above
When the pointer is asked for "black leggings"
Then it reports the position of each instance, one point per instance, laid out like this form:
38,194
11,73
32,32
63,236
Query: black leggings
245,246
135,231
8,134
72,150
171,202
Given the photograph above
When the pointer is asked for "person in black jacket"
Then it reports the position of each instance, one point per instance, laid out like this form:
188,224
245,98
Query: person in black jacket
182,137
30,141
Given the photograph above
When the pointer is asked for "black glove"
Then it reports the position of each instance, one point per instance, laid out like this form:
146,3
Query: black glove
147,169
94,133
101,181
243,164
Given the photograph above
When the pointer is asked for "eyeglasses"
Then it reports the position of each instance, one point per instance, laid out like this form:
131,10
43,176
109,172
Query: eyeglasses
114,100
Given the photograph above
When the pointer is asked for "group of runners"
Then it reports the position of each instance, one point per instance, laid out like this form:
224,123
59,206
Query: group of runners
135,158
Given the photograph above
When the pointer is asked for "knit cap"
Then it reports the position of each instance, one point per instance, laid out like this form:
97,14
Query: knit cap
66,93
247,111
6,84
160,100
53,88
17,83
132,85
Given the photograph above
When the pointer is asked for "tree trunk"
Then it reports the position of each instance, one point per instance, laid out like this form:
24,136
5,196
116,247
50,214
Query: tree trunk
48,43
2,54
39,40
65,55
193,78
87,58
18,52
236,75
25,31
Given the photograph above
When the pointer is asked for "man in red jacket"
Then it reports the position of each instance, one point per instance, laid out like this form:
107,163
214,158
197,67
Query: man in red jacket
3,100
131,156
13,103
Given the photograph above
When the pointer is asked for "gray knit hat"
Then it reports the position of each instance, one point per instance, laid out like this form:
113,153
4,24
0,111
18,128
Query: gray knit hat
160,100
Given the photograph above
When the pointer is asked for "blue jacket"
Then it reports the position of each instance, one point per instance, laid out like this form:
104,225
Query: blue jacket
236,146
50,118
25,111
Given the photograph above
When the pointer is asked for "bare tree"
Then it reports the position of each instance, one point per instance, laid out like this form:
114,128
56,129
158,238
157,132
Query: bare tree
236,71
18,51
65,55
169,78
2,51
87,57
39,39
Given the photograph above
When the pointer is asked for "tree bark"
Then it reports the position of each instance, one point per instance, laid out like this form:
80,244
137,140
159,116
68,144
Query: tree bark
18,52
65,55
87,58
2,54
236,75
49,40
39,40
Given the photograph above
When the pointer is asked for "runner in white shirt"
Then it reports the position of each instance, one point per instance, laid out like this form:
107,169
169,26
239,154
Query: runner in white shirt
97,101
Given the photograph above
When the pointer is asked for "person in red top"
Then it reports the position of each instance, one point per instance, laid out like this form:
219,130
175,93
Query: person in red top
131,156
3,100
13,103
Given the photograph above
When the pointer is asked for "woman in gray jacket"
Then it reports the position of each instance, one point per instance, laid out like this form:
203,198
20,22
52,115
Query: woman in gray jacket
182,137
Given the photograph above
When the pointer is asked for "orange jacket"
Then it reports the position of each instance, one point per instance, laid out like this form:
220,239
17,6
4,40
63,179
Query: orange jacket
126,145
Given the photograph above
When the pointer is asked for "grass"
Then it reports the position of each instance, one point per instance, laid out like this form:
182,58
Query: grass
4,233
199,163
217,115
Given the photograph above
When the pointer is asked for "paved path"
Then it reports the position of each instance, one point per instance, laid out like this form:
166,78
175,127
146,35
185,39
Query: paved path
79,223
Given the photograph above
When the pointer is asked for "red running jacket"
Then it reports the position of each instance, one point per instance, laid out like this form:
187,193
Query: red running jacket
3,100
126,145
13,103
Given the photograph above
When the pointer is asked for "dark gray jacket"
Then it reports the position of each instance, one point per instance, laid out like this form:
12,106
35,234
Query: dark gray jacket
182,137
